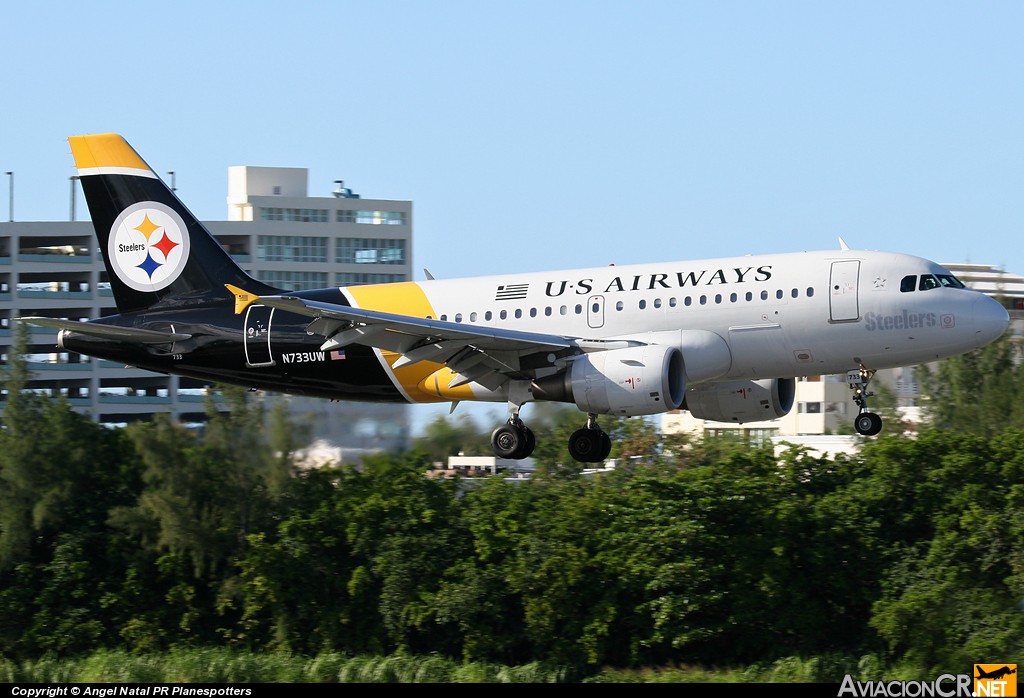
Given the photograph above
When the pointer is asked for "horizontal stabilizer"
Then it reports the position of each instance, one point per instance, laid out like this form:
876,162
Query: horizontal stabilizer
126,334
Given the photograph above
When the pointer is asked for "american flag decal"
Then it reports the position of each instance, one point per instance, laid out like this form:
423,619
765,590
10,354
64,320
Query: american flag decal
511,292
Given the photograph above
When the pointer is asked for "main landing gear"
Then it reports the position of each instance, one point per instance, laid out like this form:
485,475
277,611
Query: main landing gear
867,423
590,444
515,441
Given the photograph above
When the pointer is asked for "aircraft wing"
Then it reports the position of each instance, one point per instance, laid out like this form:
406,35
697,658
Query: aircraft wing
125,334
487,355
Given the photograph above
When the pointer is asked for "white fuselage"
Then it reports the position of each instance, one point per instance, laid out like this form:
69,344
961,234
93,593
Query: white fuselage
767,316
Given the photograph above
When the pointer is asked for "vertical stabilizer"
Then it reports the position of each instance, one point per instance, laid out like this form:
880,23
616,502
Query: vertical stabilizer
157,254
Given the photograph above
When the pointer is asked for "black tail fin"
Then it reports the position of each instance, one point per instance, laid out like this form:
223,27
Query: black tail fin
157,254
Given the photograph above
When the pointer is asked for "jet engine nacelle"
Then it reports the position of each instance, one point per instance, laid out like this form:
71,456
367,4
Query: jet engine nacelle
631,381
742,401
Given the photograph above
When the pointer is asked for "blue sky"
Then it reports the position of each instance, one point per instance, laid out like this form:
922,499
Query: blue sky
558,134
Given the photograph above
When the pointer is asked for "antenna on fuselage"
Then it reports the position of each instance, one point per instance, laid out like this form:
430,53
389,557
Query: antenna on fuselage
842,243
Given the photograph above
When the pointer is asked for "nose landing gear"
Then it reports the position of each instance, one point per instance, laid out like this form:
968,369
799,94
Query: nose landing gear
867,423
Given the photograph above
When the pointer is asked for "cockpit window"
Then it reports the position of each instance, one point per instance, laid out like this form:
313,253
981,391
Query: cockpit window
929,281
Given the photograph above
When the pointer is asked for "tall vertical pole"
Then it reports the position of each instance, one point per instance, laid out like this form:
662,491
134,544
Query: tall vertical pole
10,205
73,178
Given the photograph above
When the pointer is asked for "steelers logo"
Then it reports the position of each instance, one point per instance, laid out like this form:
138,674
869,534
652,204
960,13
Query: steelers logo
148,246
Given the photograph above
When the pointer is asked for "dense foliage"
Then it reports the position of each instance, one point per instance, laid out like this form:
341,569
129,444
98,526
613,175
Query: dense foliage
153,538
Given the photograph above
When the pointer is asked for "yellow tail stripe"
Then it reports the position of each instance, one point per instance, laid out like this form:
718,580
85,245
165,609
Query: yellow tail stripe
408,299
105,151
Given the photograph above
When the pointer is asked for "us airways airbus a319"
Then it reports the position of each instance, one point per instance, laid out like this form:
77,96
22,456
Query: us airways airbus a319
722,338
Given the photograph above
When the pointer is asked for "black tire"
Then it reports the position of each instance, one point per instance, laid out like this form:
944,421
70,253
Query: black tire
586,445
606,446
507,441
529,443
868,423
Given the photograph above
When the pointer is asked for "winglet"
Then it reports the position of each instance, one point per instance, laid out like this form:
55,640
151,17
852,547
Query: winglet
426,272
842,244
243,299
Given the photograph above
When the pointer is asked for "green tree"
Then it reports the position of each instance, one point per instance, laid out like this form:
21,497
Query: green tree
60,473
978,392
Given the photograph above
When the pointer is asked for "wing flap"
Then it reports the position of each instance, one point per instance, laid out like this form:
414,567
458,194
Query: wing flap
489,356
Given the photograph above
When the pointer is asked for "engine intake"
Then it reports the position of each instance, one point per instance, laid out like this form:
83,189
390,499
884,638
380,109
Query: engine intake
629,382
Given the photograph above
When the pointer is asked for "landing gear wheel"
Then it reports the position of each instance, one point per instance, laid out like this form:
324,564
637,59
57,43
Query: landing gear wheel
513,441
606,446
868,423
529,443
589,445
507,440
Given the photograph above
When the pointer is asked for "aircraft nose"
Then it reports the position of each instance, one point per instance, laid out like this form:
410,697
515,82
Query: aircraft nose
990,320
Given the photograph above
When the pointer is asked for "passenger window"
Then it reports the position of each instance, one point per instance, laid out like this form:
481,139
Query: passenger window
928,282
579,309
657,302
533,312
732,297
764,295
643,304
810,291
672,302
458,317
488,315
504,314
779,294
795,293
519,313
908,284
749,296
688,301
563,310
547,311
718,298
618,305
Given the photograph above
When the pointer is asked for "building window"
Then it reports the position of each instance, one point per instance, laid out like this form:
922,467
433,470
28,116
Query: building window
809,408
291,248
370,251
294,280
293,215
372,217
357,279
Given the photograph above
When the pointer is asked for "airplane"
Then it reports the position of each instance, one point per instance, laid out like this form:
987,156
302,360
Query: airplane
724,338
995,673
